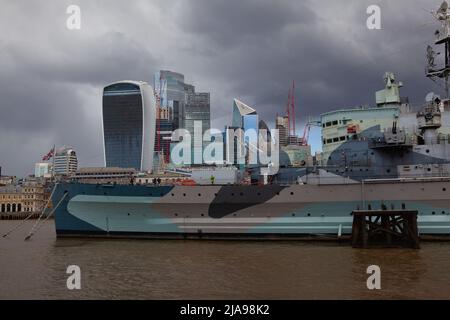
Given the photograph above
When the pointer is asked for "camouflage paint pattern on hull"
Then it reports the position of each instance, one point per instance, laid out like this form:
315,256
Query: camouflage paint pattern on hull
260,211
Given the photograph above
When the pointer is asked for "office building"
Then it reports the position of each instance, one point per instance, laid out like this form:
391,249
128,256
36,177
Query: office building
65,161
42,170
181,107
197,111
282,124
31,196
171,90
246,118
129,112
102,175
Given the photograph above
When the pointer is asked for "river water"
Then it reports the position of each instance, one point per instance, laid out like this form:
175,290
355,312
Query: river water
192,269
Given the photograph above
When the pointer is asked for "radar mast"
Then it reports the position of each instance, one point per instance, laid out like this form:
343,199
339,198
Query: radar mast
433,71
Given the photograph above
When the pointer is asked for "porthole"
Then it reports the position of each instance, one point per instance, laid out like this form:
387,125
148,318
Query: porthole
173,194
232,194
444,189
293,214
427,151
259,193
202,215
309,214
184,194
292,193
176,214
199,194
433,213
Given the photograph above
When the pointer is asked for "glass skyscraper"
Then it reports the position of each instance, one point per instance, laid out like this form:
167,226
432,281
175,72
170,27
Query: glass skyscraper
171,89
246,118
185,107
129,125
197,111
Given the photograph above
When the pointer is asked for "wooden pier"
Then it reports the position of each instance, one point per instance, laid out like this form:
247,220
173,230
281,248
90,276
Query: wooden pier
385,228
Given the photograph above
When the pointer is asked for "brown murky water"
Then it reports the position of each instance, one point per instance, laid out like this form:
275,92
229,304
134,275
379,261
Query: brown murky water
149,269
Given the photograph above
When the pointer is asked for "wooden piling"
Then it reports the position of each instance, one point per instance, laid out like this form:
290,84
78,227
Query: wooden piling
385,228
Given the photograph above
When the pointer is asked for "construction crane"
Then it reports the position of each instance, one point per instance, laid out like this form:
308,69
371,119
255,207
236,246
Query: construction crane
305,136
307,130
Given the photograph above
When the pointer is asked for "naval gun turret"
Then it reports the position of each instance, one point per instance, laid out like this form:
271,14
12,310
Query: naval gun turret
394,136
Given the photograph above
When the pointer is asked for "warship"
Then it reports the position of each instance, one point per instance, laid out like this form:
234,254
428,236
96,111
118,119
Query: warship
392,155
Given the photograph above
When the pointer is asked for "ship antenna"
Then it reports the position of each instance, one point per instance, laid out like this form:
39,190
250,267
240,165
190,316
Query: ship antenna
442,38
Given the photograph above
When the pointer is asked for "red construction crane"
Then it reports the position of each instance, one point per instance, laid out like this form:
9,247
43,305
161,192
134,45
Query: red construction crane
306,131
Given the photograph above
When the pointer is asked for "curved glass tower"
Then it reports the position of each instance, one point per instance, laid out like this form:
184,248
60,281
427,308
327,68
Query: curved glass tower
129,114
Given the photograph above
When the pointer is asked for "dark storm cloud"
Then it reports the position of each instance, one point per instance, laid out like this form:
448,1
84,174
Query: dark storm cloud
110,56
51,82
335,60
229,23
51,78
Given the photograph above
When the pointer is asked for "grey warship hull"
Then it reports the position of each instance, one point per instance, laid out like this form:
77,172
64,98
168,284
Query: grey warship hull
270,211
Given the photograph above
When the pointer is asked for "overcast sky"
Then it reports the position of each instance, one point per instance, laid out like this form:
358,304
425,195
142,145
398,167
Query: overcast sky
51,78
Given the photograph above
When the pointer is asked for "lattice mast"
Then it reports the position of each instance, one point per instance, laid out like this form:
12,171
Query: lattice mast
433,71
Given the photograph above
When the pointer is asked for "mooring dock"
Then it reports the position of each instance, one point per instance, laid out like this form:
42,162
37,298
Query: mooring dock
385,228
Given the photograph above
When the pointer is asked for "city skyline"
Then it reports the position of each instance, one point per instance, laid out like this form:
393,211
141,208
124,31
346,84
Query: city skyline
52,94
